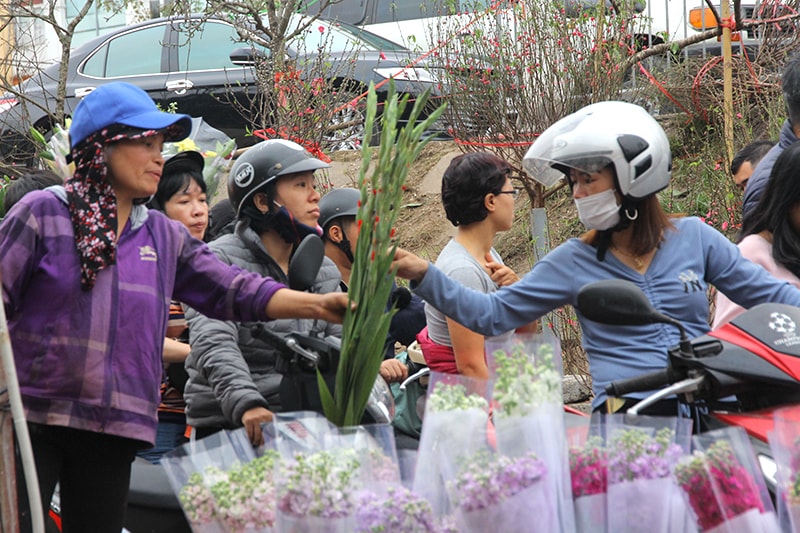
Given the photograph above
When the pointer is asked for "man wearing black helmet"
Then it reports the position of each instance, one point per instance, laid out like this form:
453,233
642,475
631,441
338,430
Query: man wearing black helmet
338,210
232,378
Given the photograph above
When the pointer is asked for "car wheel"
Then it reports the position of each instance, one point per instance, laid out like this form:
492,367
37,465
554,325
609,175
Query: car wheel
347,124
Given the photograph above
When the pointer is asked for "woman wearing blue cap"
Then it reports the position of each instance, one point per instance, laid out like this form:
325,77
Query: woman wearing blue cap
87,274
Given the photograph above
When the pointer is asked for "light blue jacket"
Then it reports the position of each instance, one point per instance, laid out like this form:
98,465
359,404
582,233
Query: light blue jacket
676,283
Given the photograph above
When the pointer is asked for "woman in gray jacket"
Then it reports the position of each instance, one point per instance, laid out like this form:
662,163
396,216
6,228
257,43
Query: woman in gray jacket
232,377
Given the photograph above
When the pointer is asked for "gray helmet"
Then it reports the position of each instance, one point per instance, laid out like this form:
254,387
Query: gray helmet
338,203
262,164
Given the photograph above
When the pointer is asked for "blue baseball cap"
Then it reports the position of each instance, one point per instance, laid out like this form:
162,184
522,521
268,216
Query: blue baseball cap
123,103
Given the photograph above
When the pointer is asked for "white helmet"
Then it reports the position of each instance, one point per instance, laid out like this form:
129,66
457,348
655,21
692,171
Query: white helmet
590,139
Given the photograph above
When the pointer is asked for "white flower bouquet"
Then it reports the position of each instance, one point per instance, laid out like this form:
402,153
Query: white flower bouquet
528,413
222,485
456,418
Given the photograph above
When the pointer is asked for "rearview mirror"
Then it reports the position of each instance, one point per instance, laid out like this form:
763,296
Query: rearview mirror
617,302
304,264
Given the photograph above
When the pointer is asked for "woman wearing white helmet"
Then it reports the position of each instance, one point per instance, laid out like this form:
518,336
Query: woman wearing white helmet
616,157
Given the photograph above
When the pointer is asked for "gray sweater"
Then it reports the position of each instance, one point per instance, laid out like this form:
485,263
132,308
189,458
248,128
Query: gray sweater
230,371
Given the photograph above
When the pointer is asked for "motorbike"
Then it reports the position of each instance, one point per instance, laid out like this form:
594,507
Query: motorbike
738,374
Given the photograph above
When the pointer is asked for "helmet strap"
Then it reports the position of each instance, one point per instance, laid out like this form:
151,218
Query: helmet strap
344,246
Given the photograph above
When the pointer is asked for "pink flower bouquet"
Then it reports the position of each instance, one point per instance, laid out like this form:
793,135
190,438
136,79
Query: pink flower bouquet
723,485
588,465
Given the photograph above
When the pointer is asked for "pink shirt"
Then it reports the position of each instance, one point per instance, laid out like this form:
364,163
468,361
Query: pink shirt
759,251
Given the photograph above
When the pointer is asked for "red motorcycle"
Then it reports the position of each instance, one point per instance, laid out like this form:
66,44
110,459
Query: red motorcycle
736,375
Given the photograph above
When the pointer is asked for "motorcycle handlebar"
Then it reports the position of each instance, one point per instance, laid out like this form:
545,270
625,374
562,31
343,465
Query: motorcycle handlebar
645,382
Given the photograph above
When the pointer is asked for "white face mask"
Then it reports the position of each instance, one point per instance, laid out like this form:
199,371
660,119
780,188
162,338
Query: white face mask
599,211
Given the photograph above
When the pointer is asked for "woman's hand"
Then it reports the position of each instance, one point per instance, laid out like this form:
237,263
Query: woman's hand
501,274
287,303
252,420
393,371
409,266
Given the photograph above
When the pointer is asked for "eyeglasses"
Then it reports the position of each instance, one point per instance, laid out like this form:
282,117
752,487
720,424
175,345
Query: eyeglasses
514,192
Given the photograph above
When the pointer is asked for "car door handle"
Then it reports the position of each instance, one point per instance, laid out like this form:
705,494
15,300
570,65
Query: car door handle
180,86
83,91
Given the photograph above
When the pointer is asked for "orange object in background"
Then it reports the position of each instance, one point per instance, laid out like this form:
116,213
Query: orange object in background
702,18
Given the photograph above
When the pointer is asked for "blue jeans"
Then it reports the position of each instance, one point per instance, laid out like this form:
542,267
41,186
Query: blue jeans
169,435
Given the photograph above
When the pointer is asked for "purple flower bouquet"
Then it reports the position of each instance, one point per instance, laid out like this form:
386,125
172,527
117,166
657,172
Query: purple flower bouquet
642,495
528,412
222,485
343,480
723,486
498,493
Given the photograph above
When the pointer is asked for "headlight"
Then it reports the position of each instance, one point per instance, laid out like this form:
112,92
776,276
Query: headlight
407,74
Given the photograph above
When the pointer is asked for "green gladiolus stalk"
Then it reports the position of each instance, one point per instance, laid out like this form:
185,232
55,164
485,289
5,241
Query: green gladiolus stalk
364,329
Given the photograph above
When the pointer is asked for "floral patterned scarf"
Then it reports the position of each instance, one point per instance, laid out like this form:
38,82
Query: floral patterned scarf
92,201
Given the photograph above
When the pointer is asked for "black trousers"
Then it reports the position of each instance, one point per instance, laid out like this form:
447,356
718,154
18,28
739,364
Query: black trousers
93,471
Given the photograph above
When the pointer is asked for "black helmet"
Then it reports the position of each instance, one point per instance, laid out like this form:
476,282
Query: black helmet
264,162
185,161
338,203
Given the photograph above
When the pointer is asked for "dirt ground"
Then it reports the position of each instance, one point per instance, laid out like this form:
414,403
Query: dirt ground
422,226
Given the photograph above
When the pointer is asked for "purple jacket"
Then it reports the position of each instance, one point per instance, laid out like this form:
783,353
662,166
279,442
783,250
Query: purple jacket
92,360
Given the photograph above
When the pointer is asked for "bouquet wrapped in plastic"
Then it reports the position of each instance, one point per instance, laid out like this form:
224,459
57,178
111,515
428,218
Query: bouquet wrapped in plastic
222,485
528,415
216,148
588,465
785,444
642,494
493,492
456,418
344,479
316,480
723,485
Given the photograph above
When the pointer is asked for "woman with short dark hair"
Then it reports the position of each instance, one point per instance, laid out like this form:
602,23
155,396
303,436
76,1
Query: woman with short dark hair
478,200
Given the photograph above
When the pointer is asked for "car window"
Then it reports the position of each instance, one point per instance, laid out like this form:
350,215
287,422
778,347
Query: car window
208,47
114,58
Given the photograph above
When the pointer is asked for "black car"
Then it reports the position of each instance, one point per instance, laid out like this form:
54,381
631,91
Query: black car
201,67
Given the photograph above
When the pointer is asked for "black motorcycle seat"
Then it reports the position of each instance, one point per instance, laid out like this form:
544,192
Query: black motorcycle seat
150,486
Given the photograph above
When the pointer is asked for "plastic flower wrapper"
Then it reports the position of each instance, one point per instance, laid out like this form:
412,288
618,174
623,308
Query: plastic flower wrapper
494,492
400,511
724,486
374,445
56,149
784,442
642,494
318,476
588,465
528,410
456,418
216,148
222,485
